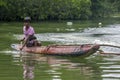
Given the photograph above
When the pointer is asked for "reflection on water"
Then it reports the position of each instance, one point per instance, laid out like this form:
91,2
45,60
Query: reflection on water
28,67
95,67
35,67
110,67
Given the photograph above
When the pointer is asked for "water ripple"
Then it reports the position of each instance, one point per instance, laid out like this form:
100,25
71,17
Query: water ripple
109,66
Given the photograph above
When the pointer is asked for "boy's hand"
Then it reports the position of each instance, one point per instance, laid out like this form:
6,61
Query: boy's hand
21,48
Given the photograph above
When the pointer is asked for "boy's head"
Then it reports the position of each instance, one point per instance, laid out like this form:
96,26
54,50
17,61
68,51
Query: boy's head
27,19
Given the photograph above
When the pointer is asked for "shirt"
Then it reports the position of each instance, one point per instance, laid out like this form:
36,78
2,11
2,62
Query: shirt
29,31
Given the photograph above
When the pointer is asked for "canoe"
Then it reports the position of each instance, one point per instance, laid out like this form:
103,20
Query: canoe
62,50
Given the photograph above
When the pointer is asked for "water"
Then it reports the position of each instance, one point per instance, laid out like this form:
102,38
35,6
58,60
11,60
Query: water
15,65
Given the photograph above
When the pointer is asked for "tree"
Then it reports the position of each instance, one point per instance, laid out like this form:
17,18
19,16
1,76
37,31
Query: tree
12,10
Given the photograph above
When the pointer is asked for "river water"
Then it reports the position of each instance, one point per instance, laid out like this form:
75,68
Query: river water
23,66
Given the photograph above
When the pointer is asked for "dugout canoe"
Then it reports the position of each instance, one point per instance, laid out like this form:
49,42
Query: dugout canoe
61,50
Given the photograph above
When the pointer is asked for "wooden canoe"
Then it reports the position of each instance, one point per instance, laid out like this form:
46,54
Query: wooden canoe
73,50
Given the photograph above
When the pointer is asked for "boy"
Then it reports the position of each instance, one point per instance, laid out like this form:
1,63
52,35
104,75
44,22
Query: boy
29,37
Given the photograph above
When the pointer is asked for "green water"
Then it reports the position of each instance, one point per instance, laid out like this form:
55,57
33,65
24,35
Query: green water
16,65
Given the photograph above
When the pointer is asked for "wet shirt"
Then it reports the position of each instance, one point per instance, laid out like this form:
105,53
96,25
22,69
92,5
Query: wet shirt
29,31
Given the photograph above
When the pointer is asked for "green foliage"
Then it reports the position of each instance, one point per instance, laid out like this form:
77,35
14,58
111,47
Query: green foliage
45,9
2,3
103,8
12,10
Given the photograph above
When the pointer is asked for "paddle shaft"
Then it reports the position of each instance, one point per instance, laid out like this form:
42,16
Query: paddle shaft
23,45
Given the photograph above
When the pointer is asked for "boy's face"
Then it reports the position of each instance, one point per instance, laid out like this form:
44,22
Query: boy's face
26,24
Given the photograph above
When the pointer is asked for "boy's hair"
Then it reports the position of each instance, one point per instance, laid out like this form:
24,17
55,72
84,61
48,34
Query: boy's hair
27,19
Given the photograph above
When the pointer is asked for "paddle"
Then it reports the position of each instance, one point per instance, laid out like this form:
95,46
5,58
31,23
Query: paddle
23,45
